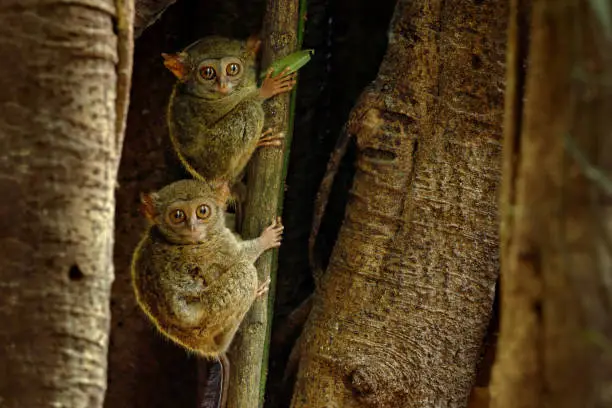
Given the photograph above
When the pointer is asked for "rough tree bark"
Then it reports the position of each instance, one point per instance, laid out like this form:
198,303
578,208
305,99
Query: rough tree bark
556,326
65,87
266,174
399,316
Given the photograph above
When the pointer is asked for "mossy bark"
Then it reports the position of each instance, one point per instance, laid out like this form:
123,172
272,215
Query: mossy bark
65,90
265,190
556,326
400,314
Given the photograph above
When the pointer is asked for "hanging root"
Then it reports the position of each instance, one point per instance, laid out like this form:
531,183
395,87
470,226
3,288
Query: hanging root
322,199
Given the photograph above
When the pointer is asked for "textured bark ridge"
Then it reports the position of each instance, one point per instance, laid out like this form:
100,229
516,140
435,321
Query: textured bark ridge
556,326
399,316
265,187
64,79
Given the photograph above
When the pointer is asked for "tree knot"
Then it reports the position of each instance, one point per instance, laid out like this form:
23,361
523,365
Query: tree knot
377,382
363,381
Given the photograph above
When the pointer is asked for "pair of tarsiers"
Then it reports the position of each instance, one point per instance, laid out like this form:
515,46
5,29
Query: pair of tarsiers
192,276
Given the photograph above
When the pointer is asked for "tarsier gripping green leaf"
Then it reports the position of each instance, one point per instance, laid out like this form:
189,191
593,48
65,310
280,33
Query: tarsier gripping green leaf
215,117
292,61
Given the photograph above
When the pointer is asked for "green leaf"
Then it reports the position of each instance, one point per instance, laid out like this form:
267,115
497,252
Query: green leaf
294,61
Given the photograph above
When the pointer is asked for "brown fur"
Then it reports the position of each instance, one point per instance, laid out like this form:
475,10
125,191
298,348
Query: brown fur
196,293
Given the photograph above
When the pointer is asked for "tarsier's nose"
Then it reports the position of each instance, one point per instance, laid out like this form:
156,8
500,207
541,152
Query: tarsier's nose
192,225
223,86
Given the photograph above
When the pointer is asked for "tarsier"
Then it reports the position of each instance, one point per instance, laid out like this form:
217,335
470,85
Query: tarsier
192,276
215,114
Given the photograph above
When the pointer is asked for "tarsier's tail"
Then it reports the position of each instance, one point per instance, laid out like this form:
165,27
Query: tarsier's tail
213,384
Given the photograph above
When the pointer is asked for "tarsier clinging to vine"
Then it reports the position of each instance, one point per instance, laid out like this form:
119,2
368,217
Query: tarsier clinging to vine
191,275
215,114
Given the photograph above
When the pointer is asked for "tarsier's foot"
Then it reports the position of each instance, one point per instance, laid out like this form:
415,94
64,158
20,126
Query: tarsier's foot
263,288
283,82
268,139
271,237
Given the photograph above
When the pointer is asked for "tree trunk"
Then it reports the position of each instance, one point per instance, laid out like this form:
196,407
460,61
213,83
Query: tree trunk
556,326
65,81
266,178
399,316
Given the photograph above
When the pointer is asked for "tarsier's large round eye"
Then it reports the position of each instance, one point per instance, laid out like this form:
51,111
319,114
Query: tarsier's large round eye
177,216
232,69
203,212
207,72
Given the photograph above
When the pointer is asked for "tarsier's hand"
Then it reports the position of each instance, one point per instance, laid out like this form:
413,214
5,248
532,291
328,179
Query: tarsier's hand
271,237
283,82
263,288
269,139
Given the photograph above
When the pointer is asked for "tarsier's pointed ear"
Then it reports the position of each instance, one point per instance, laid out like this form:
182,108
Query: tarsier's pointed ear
222,192
147,206
253,44
177,64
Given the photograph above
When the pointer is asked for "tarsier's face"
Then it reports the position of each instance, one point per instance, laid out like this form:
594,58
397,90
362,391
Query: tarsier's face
187,222
187,211
220,76
215,67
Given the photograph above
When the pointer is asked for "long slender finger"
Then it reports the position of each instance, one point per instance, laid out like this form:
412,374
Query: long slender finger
276,143
285,88
265,144
270,227
293,75
267,132
269,73
270,138
284,73
286,77
285,81
270,143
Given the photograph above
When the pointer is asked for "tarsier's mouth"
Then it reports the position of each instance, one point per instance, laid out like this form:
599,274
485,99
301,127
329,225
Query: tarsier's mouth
193,238
224,90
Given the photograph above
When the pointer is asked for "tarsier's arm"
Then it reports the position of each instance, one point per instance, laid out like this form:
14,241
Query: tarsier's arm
269,238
